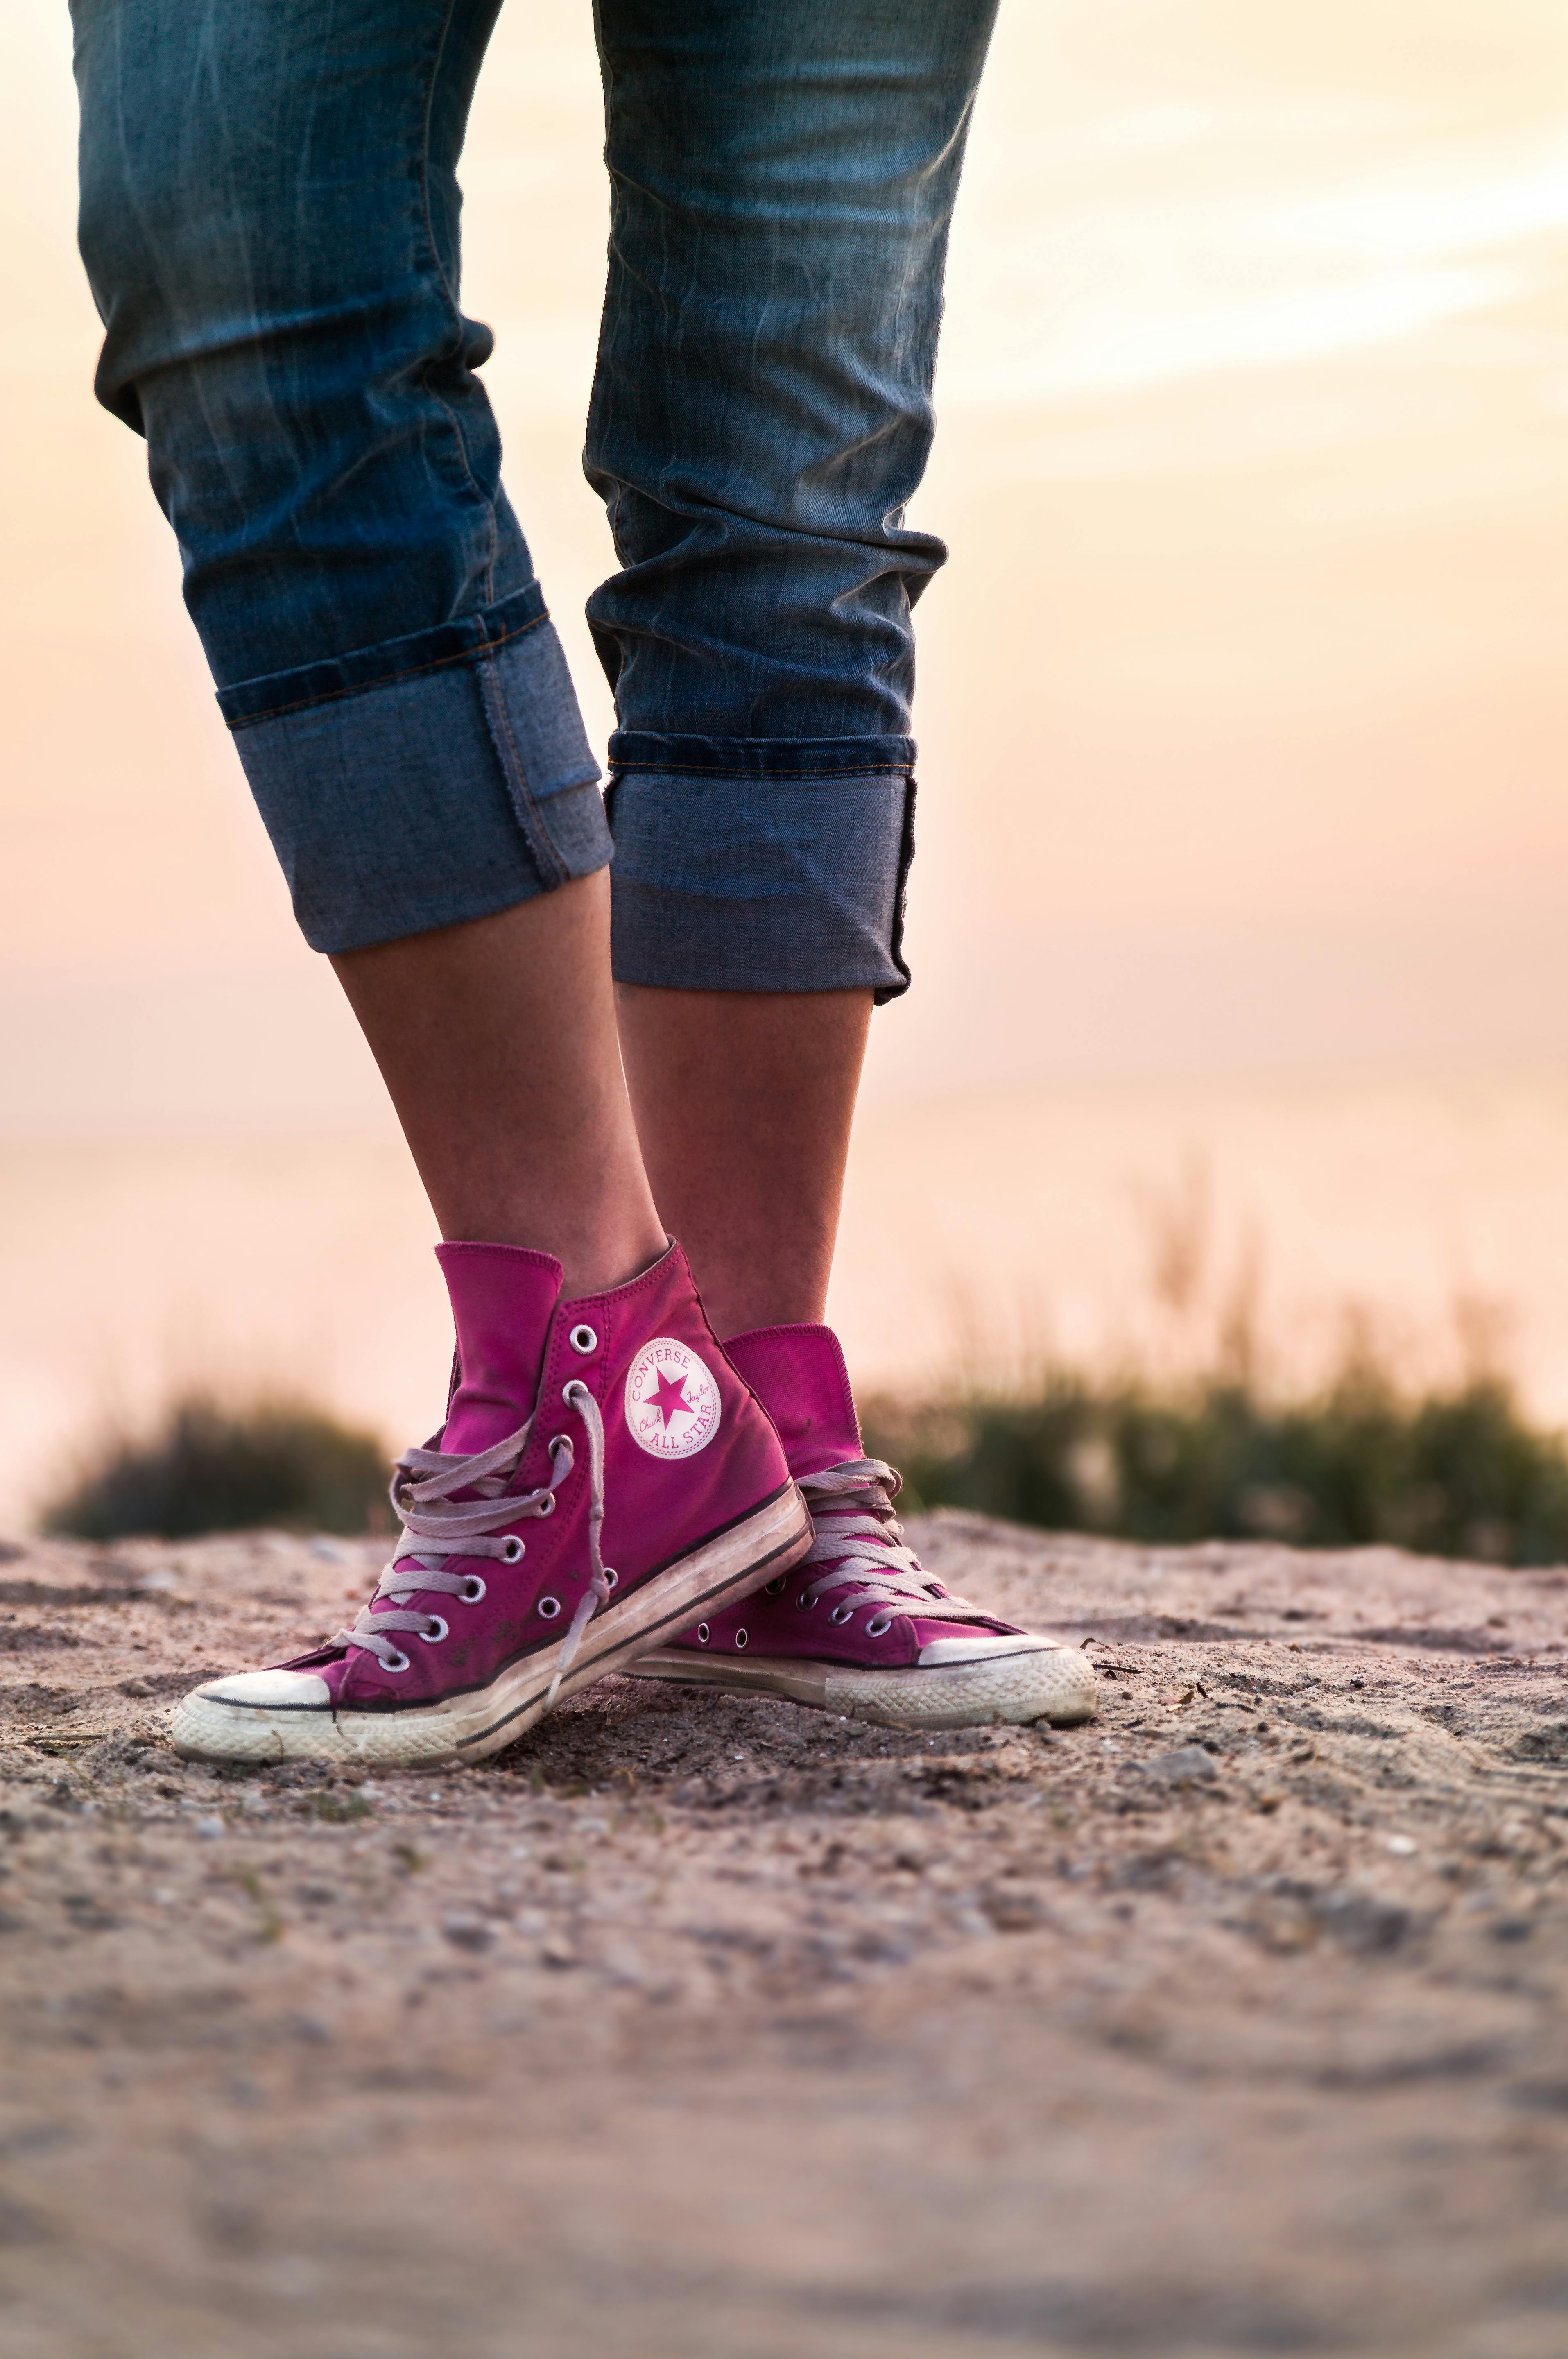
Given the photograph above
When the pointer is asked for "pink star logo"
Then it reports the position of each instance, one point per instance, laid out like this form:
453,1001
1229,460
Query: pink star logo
669,1396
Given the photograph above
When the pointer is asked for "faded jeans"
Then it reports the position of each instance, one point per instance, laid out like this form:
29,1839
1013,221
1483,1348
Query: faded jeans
269,220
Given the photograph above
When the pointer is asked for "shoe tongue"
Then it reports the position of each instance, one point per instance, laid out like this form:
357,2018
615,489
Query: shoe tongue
798,1373
502,1297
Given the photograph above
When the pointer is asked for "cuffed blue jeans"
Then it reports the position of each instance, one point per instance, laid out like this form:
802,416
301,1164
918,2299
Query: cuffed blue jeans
270,221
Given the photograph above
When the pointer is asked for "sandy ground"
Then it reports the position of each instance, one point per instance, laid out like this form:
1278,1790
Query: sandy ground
1232,2024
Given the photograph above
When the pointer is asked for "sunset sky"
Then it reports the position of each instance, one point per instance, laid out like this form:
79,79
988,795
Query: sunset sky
1243,711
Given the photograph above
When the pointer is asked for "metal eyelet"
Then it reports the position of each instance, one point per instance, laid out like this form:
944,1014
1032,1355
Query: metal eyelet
512,1551
611,1576
582,1338
398,1663
702,1634
876,1630
546,1505
804,1604
776,1588
842,1613
473,1589
549,1607
433,1637
740,1639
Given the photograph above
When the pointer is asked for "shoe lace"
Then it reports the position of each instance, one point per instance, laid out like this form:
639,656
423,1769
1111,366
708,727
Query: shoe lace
860,1546
438,1526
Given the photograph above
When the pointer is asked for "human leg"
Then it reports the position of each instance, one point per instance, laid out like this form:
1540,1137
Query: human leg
782,183
269,220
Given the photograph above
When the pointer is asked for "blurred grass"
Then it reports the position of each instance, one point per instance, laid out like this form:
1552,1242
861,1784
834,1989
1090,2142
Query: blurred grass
1460,1472
215,1466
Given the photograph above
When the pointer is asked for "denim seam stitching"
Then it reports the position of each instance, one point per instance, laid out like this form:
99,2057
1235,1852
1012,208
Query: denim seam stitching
718,770
453,306
479,654
490,695
608,77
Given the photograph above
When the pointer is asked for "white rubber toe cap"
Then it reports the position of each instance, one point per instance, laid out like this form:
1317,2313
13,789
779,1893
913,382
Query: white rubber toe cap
985,1647
268,1692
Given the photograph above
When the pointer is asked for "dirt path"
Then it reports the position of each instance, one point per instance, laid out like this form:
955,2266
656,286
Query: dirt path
1232,2024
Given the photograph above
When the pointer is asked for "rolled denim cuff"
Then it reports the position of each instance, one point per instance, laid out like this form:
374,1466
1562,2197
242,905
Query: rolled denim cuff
760,864
425,780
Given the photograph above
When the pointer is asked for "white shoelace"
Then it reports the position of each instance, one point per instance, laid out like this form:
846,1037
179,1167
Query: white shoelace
860,1542
440,1526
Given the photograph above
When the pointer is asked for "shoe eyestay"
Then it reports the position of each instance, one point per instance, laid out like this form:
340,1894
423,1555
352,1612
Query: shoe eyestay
436,1527
858,1553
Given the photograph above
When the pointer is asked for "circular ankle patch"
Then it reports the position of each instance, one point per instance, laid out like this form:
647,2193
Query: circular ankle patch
672,1400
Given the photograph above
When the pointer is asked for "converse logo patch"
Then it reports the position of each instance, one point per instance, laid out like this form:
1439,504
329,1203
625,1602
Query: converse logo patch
672,1401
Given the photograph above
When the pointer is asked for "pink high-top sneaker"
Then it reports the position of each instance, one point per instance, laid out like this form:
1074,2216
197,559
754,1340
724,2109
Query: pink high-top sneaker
603,1475
860,1628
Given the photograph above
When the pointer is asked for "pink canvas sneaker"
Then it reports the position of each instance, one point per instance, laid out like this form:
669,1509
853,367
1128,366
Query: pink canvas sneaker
860,1628
603,1474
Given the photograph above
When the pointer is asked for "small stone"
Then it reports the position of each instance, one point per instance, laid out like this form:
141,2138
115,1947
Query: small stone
209,1827
466,1933
559,1953
1362,1924
1402,1847
1015,1912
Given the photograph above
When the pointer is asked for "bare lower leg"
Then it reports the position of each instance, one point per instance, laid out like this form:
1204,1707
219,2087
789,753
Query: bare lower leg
743,1102
497,1040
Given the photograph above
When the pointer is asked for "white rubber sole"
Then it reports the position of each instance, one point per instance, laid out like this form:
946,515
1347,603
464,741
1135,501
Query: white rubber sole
1048,1682
204,1726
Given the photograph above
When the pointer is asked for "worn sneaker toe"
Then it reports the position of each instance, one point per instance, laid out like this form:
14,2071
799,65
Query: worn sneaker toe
248,1716
968,1683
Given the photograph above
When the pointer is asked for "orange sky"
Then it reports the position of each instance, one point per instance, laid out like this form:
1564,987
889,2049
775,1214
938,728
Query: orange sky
1244,711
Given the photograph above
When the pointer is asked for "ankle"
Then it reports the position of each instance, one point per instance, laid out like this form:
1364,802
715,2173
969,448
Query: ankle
611,1261
599,1245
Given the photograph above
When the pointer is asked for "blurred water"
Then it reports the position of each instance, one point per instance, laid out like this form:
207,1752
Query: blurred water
980,1237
